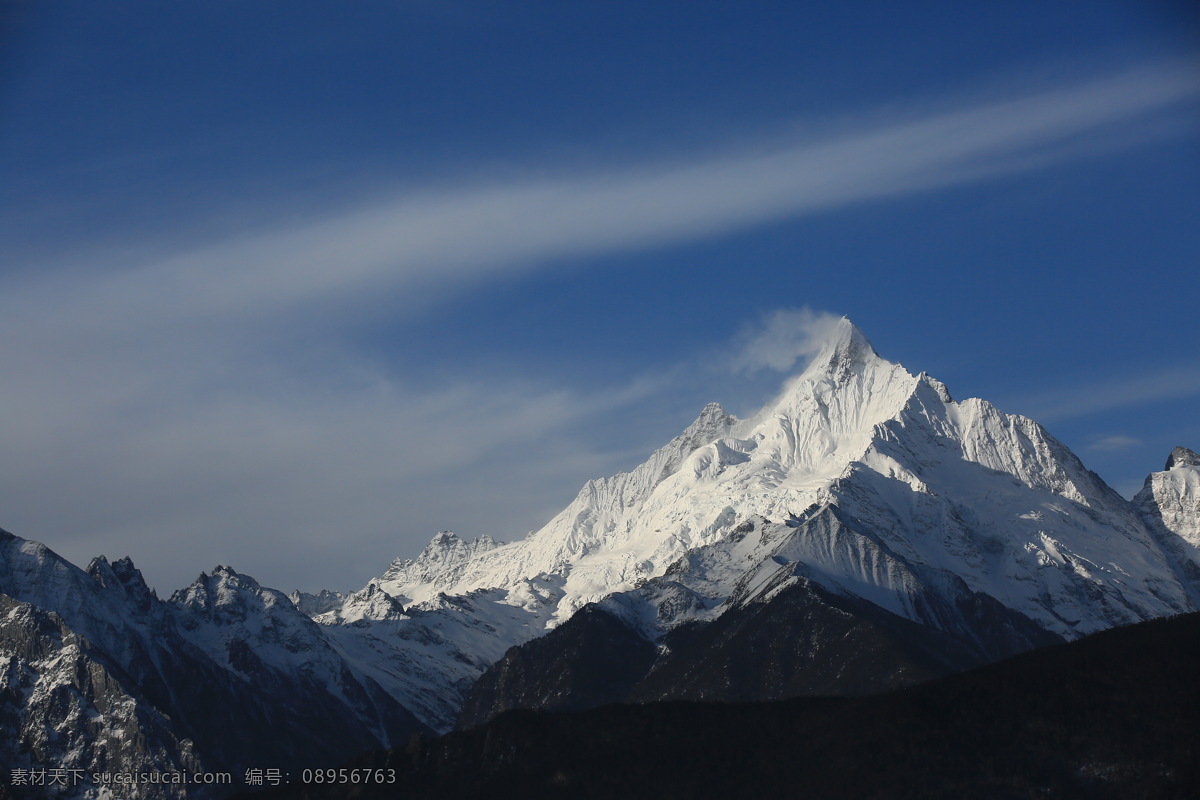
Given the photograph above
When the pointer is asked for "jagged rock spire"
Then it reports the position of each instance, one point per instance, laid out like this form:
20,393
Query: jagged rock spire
1183,457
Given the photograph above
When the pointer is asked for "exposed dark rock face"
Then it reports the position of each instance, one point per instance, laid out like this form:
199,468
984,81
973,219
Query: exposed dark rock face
1183,457
809,641
63,703
593,659
99,675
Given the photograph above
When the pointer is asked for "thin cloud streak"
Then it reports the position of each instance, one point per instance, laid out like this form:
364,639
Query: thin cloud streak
1113,443
1055,406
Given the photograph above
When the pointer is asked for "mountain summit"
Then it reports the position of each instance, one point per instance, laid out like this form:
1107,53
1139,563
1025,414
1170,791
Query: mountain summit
845,348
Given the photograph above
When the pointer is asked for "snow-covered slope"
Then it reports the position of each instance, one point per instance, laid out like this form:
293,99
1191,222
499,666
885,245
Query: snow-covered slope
258,635
439,565
429,656
596,542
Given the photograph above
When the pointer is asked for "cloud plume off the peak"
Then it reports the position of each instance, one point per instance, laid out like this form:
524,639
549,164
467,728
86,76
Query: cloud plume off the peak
782,338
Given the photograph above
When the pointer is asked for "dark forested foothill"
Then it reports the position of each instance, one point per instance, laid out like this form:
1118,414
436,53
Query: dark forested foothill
1115,715
806,641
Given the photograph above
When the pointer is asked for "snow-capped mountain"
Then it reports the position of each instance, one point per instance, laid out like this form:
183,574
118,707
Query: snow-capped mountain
863,530
954,487
859,481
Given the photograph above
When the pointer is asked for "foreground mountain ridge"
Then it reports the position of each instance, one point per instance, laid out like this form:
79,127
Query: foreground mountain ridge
1111,716
863,531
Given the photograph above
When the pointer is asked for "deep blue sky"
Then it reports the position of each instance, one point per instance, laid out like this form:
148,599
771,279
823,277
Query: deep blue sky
293,285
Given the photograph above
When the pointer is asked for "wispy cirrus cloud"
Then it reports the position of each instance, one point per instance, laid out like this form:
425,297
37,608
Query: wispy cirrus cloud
1113,443
1123,392
444,238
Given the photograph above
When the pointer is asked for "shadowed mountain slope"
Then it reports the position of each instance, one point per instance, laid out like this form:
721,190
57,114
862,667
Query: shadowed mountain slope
1114,715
